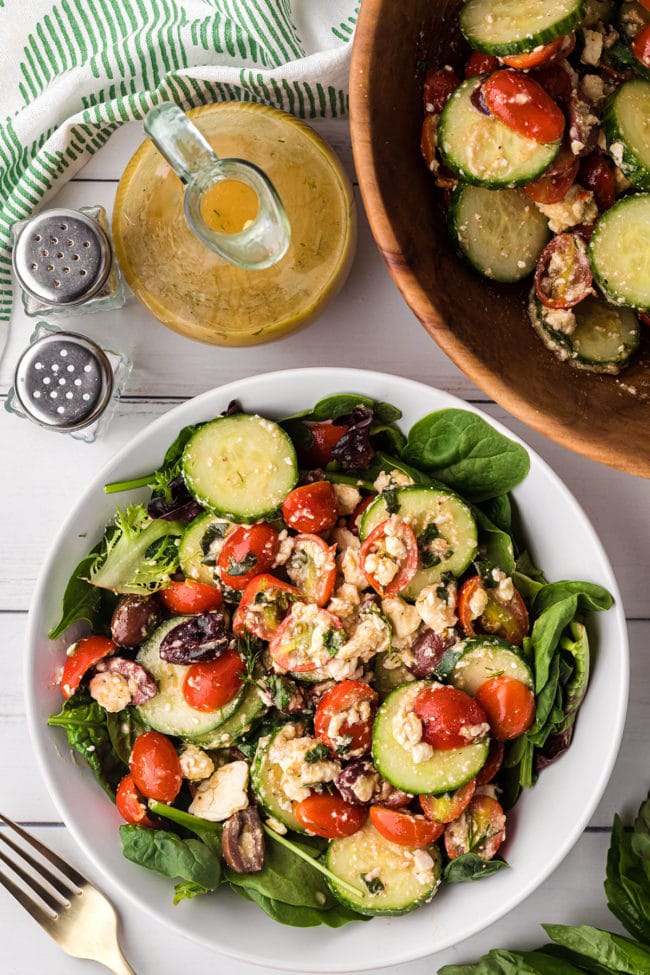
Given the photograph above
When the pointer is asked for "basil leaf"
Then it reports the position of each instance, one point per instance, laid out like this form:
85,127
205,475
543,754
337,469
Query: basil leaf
168,854
85,724
470,866
466,453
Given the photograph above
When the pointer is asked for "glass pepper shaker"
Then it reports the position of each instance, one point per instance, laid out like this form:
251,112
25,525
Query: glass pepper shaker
64,263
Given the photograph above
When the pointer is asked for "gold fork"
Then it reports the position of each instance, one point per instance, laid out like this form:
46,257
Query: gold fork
79,918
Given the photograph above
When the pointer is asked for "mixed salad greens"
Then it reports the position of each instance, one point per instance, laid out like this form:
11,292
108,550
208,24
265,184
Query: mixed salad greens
321,667
575,950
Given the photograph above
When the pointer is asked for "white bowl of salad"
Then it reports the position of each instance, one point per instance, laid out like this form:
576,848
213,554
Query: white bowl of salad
325,657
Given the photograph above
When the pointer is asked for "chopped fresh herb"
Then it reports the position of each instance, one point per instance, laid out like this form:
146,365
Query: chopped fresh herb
343,745
245,565
317,753
333,641
390,497
373,884
279,689
428,558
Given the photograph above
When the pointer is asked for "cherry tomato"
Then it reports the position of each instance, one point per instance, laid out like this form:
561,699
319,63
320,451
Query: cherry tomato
481,829
311,507
557,180
330,816
523,105
209,685
404,828
479,63
448,806
493,763
312,568
190,596
438,86
508,704
563,275
83,655
641,46
345,716
131,804
451,718
391,547
263,605
644,318
155,767
325,436
353,520
506,620
597,175
555,80
645,4
561,47
428,140
246,553
291,646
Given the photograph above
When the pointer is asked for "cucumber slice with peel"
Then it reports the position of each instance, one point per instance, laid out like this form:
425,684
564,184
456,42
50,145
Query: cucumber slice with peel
249,710
481,150
500,232
515,26
266,782
627,128
241,467
619,251
481,658
199,548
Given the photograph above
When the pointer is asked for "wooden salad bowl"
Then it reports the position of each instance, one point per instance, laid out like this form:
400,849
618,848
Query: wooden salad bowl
482,326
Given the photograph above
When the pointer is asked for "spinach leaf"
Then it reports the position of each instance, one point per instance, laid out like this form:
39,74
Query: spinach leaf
85,724
528,579
502,962
300,917
470,866
495,544
207,831
341,404
499,511
626,883
590,596
168,854
545,635
123,728
287,878
466,453
578,962
616,952
81,601
389,436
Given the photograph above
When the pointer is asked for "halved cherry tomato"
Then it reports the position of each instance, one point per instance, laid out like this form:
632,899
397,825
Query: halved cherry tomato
325,436
641,46
263,605
523,105
563,275
597,175
131,804
312,568
493,763
345,716
190,596
291,646
481,829
507,620
155,767
479,63
209,685
83,655
509,706
557,180
330,816
246,553
404,828
389,556
438,86
450,717
561,47
450,805
555,80
311,507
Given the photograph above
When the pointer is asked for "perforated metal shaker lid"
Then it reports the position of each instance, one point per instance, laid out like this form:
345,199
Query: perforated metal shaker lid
62,257
64,381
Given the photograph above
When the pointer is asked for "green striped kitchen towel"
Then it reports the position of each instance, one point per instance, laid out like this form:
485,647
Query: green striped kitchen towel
72,71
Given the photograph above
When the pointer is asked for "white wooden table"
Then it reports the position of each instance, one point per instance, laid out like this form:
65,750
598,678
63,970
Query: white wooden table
43,474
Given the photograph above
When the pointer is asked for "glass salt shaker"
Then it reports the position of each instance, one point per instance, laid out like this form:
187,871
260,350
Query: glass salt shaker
64,263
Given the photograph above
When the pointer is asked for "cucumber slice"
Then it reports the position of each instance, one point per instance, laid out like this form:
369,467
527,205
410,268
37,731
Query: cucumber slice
199,547
168,711
620,252
480,149
241,467
423,506
500,232
627,128
249,710
604,339
386,679
443,772
367,853
266,777
515,26
480,658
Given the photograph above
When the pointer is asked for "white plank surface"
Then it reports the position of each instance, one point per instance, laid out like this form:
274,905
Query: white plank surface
43,474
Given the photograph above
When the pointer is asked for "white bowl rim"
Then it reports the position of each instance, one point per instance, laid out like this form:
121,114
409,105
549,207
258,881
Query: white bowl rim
354,379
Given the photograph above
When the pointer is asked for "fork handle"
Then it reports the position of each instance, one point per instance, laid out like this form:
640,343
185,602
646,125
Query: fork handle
118,964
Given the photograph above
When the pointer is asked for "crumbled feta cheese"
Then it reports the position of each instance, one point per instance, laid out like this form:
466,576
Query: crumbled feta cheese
561,320
421,752
402,616
276,825
616,151
347,498
423,864
195,763
288,752
365,786
392,479
477,602
505,589
408,730
437,606
345,601
593,47
111,690
285,548
592,86
223,794
578,206
349,564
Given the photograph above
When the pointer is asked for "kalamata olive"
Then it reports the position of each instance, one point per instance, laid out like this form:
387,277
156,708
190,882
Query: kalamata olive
242,841
391,797
438,86
563,276
196,640
360,784
477,99
133,620
428,650
583,126
597,175
354,450
142,684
